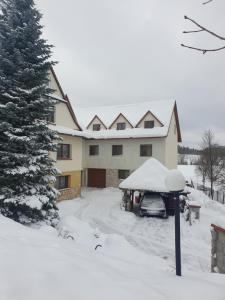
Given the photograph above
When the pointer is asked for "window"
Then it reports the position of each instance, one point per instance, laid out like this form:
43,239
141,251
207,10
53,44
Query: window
145,150
149,124
51,116
96,127
121,126
123,174
93,149
64,151
62,182
117,149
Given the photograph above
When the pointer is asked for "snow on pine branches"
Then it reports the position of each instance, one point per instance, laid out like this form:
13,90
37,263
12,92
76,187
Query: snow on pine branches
27,172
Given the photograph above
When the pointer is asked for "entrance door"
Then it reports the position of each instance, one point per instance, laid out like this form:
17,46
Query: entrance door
97,178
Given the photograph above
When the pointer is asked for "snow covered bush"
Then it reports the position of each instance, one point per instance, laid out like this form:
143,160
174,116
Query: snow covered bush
27,172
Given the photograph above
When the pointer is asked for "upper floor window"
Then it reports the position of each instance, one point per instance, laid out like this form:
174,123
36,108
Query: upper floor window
62,182
51,116
145,150
64,151
149,124
96,127
123,174
121,126
117,149
93,149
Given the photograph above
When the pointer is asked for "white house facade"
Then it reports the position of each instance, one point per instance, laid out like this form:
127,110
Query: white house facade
102,145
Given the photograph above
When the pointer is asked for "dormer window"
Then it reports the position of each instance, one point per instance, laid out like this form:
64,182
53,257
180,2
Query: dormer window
96,127
121,126
149,124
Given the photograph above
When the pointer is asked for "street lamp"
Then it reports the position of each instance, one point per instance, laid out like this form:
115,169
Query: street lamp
175,183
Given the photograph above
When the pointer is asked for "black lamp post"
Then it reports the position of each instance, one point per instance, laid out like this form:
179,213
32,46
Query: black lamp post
175,183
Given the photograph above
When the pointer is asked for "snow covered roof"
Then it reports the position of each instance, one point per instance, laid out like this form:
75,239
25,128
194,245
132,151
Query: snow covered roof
134,113
111,134
66,130
149,176
162,110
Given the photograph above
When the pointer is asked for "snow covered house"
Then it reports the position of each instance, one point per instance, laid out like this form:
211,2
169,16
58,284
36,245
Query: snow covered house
69,155
120,138
102,145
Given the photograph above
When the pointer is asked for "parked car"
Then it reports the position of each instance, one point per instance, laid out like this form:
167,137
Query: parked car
152,204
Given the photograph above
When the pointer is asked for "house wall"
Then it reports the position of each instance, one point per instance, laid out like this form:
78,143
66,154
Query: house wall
63,116
130,159
120,119
74,189
149,117
71,167
171,152
75,163
53,85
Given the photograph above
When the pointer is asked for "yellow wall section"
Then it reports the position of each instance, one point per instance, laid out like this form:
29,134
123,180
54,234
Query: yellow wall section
75,178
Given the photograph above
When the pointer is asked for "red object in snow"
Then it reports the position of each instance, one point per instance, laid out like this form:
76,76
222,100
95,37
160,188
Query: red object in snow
137,199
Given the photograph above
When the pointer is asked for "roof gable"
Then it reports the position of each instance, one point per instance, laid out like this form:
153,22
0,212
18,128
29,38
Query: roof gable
59,95
55,85
120,118
177,123
98,120
149,114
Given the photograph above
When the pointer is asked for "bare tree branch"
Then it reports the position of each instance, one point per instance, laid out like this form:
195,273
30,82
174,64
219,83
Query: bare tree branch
203,50
207,2
205,29
193,31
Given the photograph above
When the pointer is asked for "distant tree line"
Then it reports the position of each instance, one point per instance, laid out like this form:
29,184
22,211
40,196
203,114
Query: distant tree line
188,150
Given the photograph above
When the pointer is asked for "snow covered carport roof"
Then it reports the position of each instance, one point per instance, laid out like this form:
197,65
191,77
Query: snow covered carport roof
149,176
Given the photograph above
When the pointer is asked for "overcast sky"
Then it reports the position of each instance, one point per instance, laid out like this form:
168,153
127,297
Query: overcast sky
126,51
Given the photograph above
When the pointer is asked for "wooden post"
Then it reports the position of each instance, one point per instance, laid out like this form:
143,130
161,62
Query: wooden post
132,200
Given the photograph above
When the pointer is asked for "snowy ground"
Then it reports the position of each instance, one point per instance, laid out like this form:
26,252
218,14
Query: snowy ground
136,260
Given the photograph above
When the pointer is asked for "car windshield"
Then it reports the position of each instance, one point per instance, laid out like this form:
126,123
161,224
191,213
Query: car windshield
153,201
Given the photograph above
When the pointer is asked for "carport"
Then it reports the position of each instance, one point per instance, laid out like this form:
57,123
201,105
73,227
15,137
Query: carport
148,177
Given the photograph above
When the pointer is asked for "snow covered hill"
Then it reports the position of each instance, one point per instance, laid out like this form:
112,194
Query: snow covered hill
136,260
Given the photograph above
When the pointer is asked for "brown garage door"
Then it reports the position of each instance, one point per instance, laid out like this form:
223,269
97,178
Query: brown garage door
96,178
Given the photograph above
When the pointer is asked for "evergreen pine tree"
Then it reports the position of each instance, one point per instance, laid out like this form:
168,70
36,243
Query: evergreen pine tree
26,170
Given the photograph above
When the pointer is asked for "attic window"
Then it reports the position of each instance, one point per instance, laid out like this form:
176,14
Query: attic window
149,124
121,126
96,127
